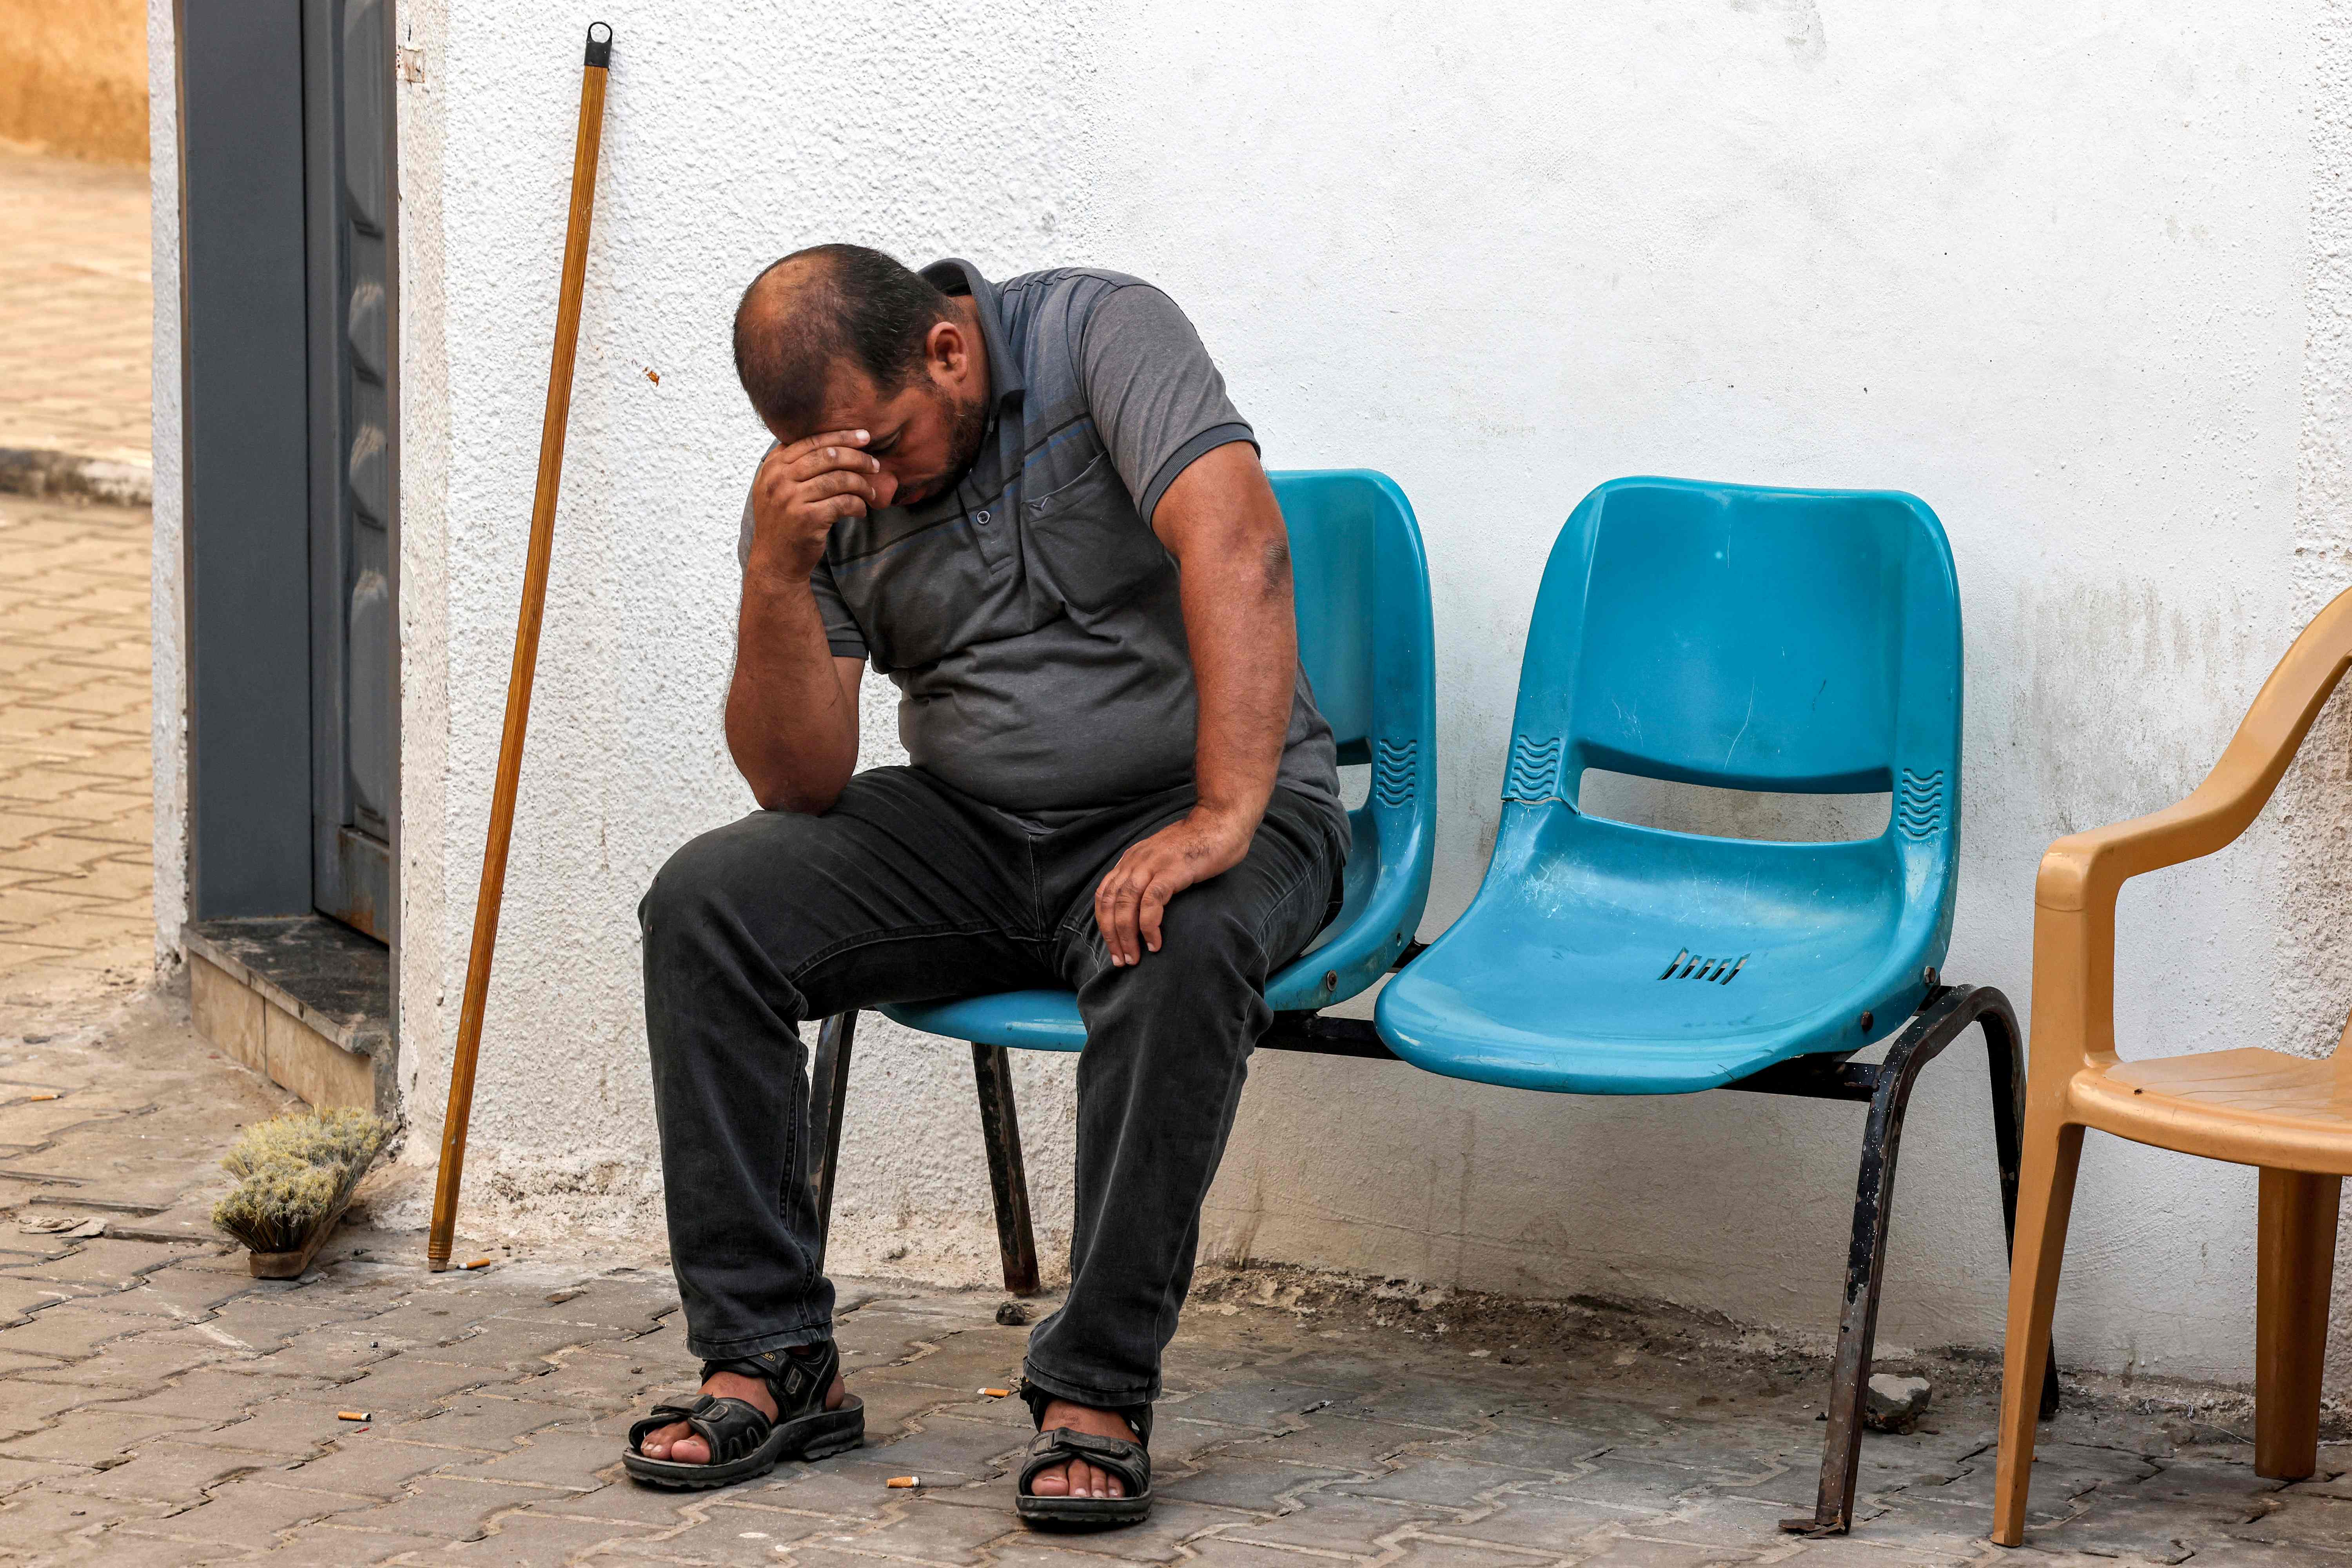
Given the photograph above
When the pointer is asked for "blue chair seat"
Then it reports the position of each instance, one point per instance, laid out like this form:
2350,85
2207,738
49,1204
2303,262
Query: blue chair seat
1743,638
1672,965
1360,586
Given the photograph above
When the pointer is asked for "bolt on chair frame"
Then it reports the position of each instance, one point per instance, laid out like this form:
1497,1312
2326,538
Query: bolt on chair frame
2286,1115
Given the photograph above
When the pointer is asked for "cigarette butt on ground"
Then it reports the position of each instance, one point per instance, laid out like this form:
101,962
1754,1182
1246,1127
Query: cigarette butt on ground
43,1095
995,1393
900,1483
478,1263
352,1415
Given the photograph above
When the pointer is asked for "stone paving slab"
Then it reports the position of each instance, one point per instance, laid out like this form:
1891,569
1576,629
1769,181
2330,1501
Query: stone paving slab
75,766
76,309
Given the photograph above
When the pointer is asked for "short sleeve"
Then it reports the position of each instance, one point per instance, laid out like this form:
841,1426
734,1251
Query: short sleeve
1157,398
841,633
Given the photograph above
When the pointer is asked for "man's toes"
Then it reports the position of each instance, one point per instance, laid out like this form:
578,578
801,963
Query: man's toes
1077,1479
690,1451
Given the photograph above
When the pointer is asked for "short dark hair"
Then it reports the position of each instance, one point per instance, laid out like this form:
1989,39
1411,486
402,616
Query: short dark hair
851,303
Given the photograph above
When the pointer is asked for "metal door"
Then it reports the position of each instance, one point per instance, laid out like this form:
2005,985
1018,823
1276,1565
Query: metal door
350,195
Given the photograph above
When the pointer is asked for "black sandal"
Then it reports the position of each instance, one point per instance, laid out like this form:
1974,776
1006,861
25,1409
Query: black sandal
744,1443
1131,1462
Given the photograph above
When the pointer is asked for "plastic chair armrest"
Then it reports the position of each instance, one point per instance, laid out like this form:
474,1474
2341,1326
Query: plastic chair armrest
2082,873
2085,866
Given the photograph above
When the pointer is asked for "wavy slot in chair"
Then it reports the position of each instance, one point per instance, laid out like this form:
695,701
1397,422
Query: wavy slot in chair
1798,641
2290,1116
1360,587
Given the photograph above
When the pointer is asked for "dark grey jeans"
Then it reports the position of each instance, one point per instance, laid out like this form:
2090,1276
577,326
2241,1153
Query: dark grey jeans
907,892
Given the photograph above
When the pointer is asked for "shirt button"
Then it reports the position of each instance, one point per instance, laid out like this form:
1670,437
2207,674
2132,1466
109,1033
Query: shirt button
980,518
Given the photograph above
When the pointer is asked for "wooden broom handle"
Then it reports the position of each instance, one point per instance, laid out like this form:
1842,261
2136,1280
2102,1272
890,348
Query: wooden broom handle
526,648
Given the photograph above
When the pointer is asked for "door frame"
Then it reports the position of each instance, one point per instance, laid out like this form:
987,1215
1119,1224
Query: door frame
326,51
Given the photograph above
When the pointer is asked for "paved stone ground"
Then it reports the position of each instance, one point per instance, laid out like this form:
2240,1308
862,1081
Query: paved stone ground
157,1405
76,800
75,306
75,796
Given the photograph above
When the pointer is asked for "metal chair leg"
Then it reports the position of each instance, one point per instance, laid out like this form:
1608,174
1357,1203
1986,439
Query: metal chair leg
1944,1018
1008,1184
2005,1055
828,1095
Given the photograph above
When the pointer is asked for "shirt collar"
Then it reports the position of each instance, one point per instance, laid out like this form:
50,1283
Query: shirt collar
956,276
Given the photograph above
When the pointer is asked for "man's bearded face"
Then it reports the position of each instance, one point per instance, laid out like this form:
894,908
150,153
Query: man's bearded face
923,434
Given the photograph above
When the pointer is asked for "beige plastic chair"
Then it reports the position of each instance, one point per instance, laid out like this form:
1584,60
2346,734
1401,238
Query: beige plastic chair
2291,1116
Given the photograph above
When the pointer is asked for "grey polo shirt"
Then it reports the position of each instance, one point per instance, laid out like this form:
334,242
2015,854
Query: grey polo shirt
1030,616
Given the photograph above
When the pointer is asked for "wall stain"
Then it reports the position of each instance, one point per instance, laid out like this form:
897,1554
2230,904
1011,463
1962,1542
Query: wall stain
1808,41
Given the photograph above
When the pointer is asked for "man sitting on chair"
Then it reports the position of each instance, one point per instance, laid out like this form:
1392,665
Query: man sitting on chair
1033,507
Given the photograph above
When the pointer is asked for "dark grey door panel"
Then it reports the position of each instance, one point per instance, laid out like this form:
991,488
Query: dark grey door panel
244,394
348,141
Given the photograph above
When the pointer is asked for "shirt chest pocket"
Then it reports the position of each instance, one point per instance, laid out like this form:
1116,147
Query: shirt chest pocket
1088,545
923,598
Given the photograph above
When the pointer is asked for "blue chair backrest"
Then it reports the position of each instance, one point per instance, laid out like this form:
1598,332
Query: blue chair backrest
1361,588
1806,641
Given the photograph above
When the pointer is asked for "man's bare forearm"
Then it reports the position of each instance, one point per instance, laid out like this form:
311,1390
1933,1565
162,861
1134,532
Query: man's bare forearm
790,722
1221,522
1244,645
791,711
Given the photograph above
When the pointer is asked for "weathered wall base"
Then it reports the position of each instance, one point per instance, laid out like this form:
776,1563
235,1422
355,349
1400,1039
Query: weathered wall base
284,1028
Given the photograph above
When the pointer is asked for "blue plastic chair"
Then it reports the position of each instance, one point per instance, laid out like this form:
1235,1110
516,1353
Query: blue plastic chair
1750,640
1800,641
1361,584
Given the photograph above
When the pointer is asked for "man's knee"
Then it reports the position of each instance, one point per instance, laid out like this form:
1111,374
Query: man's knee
682,889
710,876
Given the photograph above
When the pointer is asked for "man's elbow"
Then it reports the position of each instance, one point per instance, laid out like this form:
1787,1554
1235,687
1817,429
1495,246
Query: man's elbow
1273,560
776,785
797,797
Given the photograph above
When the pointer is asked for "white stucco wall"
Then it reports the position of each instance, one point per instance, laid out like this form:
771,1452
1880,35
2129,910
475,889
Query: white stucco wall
2054,268
167,597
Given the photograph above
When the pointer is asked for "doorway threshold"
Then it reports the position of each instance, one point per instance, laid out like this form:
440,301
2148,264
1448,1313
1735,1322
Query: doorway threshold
303,1000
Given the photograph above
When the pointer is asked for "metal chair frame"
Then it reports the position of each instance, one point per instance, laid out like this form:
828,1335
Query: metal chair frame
1885,1087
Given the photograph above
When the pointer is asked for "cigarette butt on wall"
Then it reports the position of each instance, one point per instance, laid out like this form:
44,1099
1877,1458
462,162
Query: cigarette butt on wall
479,1263
42,1096
994,1393
352,1415
900,1483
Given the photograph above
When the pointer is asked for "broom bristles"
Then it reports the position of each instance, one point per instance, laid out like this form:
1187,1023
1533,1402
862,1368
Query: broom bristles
294,1171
